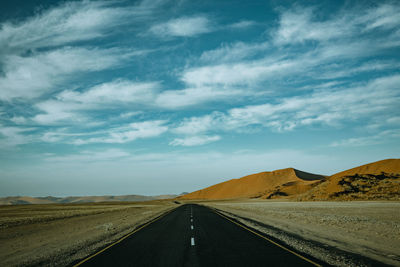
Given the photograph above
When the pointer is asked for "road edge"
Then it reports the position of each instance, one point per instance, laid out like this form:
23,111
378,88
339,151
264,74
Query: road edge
81,261
303,246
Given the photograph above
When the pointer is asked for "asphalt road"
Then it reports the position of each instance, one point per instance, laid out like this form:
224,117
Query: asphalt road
194,235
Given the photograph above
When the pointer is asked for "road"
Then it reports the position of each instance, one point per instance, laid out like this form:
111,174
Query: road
194,235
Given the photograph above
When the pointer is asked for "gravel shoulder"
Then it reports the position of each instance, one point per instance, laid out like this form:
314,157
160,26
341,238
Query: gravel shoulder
369,229
57,235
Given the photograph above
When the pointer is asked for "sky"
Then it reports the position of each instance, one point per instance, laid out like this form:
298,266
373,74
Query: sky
161,97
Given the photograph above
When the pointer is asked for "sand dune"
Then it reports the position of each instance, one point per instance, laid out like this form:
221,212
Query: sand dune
78,199
390,166
261,185
378,180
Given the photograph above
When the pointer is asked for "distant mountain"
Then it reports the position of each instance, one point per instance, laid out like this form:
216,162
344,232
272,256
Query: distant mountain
285,182
80,199
379,180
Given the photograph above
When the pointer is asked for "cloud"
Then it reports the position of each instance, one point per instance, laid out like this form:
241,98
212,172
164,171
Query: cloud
194,140
379,138
195,125
12,136
30,77
237,74
114,92
53,137
54,112
70,106
173,99
338,71
326,107
341,44
91,156
233,52
300,24
124,134
182,27
384,16
130,114
242,24
18,120
66,23
34,53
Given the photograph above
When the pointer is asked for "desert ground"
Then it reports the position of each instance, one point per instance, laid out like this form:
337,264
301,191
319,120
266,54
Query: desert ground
59,234
370,229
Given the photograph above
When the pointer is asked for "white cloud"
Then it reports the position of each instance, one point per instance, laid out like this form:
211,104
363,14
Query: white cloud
112,93
54,112
384,16
90,156
126,115
337,71
298,25
238,73
12,136
63,135
195,125
30,77
124,134
182,27
69,22
379,138
329,107
194,96
242,24
233,52
70,106
30,71
194,140
18,120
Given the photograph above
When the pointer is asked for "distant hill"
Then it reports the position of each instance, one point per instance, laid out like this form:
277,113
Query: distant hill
285,182
378,180
79,199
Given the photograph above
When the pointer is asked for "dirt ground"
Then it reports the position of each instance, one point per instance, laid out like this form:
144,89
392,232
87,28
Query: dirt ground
57,235
371,229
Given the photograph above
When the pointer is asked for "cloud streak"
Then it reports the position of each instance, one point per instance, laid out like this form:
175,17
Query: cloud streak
182,27
322,107
194,140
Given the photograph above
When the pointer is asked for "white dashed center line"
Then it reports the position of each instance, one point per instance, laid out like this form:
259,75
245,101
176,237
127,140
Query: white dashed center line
191,227
192,241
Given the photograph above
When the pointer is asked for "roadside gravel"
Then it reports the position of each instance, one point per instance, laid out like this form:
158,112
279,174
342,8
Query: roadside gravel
369,229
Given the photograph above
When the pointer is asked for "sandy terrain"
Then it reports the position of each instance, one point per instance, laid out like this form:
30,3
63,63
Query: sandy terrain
375,181
17,200
378,180
56,235
371,229
273,184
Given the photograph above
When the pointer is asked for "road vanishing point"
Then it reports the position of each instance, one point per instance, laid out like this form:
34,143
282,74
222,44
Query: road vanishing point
194,235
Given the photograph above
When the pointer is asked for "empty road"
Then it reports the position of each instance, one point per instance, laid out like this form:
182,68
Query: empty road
194,235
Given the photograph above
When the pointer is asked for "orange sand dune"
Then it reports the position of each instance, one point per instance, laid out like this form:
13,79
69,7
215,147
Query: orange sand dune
261,185
363,182
391,166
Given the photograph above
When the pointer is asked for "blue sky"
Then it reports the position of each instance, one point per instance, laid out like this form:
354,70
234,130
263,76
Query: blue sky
154,97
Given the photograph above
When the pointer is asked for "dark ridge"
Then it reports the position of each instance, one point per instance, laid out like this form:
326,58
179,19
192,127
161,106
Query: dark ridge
308,176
